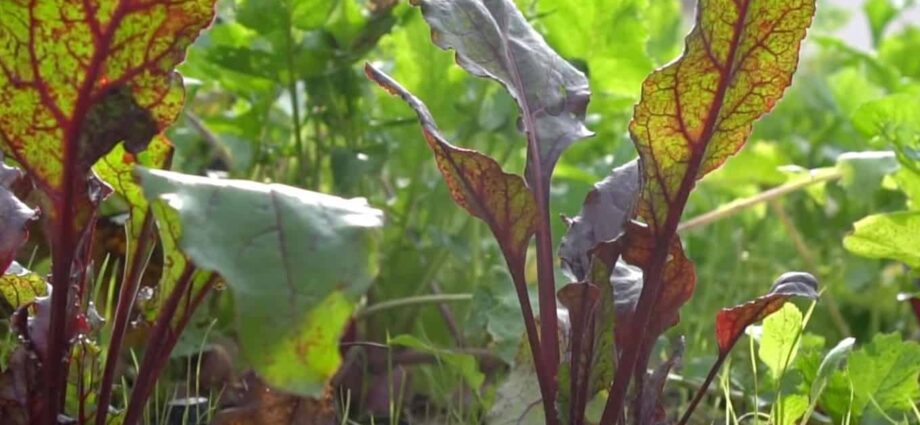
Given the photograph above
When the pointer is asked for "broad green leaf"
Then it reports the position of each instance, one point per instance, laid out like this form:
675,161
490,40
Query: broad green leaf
852,88
266,16
495,308
731,322
295,261
896,120
611,37
699,110
463,364
77,78
862,172
492,39
893,235
779,340
790,408
886,371
476,182
880,13
20,286
897,50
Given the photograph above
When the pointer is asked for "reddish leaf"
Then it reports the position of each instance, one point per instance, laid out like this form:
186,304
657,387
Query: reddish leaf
698,111
693,114
494,40
14,216
476,182
731,322
678,278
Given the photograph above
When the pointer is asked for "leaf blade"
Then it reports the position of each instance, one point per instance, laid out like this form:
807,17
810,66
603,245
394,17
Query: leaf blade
275,242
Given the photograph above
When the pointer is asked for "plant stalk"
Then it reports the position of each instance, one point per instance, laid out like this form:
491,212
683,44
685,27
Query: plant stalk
703,389
415,300
160,334
545,381
126,298
735,207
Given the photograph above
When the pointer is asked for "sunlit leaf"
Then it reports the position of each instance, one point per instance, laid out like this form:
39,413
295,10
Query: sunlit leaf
79,78
699,110
892,235
779,339
20,286
296,262
476,182
882,373
731,322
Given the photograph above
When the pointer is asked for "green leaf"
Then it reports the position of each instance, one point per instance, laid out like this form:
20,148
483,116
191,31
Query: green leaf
790,408
779,342
862,172
611,37
20,286
831,363
464,364
296,262
266,16
880,14
897,50
896,120
909,182
893,235
885,371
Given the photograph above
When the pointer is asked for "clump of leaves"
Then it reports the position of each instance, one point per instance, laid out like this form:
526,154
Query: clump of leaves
85,91
693,115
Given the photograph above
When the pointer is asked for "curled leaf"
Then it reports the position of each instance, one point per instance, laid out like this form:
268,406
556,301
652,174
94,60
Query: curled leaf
603,214
476,182
14,216
493,39
731,322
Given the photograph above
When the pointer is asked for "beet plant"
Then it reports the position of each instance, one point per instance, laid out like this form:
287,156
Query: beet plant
693,115
86,90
